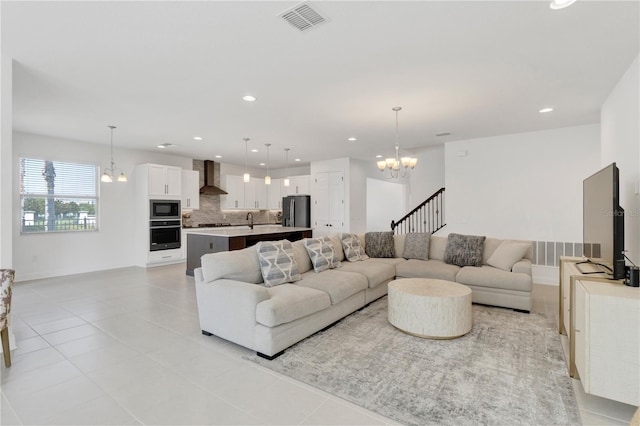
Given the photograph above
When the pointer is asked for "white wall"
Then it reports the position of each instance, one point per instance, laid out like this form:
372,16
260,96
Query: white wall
522,186
428,176
385,202
620,132
47,255
6,162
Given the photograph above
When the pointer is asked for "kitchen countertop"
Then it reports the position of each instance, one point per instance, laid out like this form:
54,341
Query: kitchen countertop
244,230
232,226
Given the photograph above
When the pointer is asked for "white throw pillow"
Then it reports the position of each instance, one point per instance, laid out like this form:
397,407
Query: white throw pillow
277,262
353,250
322,254
507,254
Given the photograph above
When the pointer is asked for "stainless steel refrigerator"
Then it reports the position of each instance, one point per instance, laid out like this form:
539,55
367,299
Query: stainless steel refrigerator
296,211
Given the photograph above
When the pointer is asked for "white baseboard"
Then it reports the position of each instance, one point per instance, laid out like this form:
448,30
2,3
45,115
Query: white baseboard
545,274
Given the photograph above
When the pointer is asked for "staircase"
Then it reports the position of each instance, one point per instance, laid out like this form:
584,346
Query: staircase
427,217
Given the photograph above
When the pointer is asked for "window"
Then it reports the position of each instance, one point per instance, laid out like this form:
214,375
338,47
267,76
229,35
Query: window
57,196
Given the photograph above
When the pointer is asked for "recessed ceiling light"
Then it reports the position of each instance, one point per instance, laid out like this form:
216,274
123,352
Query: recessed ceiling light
352,139
249,98
218,156
254,150
297,159
262,164
561,4
543,110
165,145
378,156
197,138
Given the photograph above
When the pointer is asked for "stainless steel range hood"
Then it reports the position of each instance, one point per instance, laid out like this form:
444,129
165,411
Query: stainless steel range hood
209,172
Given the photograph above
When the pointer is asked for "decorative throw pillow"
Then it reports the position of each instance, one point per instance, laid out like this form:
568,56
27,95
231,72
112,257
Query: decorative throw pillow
353,250
416,245
464,250
277,262
507,254
322,254
379,244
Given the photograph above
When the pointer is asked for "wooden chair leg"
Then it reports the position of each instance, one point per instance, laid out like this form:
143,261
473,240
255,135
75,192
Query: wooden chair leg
4,335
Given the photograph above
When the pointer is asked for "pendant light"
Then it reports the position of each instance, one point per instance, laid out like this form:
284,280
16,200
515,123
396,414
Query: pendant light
394,164
246,177
109,172
561,4
286,163
267,178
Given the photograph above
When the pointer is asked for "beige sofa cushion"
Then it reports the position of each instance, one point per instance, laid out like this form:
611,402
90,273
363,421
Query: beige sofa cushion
398,243
491,244
376,272
238,265
338,284
301,256
288,302
390,260
414,268
488,276
508,254
337,247
437,247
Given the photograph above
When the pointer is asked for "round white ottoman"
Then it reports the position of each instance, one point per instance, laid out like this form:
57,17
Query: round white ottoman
435,309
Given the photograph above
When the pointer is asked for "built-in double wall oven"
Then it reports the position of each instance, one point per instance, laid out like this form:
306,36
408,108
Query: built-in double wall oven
164,225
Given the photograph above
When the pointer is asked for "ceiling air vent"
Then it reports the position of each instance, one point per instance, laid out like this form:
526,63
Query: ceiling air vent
303,16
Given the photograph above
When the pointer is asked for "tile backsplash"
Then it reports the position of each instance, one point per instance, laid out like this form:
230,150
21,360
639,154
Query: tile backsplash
210,212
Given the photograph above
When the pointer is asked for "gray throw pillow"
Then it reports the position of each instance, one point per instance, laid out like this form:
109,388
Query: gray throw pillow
464,250
277,262
416,245
322,254
379,244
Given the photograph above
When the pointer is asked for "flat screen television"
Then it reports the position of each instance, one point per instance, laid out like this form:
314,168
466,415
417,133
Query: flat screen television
603,221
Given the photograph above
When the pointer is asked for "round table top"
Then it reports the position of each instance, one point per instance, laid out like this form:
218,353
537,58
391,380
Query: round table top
430,287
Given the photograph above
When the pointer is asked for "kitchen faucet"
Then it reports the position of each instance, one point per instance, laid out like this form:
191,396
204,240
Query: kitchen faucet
250,219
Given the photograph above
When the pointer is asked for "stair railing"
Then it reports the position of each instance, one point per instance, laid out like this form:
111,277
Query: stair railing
427,217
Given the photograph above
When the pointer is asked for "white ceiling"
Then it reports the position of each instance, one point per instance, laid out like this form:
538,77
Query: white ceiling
167,71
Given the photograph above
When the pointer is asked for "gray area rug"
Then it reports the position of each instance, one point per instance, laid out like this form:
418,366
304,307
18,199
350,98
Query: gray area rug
509,370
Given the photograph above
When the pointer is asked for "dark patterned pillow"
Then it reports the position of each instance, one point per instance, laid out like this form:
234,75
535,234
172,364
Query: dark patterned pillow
277,262
416,245
379,244
464,250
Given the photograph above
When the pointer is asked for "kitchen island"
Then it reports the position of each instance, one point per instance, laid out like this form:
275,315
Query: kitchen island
203,241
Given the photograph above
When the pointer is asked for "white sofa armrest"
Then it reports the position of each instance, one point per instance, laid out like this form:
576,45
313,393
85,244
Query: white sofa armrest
522,267
227,308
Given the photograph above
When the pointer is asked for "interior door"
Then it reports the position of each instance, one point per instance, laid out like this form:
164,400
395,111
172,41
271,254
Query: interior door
321,205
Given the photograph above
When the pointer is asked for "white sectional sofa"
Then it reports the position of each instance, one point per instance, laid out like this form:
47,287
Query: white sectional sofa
234,303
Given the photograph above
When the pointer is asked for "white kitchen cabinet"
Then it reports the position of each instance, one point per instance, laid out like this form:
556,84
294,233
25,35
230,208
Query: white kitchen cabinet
164,181
243,195
260,193
606,341
190,189
298,185
328,203
274,195
255,194
234,199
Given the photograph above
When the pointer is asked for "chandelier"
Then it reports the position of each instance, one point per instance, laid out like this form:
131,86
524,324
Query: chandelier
109,172
397,166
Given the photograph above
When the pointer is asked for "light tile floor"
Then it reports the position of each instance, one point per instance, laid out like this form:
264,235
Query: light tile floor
124,347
